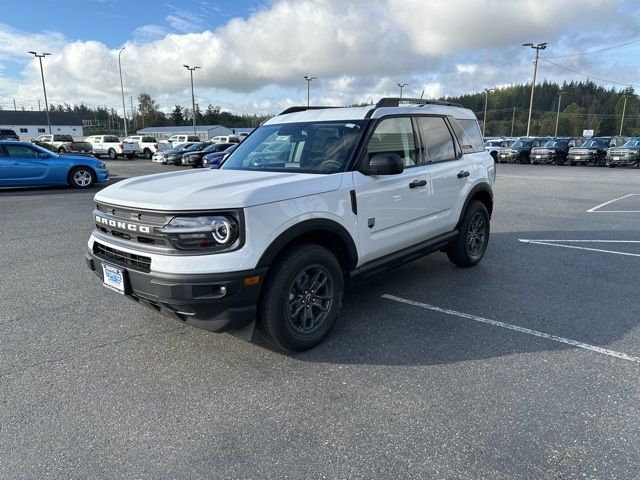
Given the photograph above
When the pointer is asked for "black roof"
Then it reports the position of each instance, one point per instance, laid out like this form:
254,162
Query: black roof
19,117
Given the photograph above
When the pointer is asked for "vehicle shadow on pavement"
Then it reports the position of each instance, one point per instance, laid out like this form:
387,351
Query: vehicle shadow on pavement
576,294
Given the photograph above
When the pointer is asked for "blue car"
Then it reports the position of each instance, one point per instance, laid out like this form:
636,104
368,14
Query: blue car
25,164
215,159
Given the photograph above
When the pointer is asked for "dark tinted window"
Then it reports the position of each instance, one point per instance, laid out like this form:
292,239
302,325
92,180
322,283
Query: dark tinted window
149,140
111,139
437,140
21,151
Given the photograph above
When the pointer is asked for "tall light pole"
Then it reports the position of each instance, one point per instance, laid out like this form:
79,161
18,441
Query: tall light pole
46,103
558,114
124,111
402,85
486,101
624,107
309,79
193,98
537,48
513,120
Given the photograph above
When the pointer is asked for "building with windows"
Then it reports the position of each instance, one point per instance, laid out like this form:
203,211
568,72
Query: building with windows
29,124
205,132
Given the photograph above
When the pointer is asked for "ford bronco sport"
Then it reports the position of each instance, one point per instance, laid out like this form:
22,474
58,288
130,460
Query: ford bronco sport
313,199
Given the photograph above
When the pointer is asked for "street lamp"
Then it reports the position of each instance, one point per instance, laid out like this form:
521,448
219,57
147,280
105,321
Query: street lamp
46,104
309,79
193,98
402,85
624,107
558,115
124,111
537,48
486,100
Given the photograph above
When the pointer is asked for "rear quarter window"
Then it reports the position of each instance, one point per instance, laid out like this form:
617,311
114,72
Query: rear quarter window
468,134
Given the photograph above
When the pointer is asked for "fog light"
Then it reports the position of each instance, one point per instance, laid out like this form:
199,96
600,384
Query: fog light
223,290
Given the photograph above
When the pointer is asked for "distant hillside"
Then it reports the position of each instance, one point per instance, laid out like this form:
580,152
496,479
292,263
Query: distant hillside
584,105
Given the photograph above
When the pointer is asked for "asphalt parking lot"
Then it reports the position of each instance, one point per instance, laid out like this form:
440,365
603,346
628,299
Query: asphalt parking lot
526,366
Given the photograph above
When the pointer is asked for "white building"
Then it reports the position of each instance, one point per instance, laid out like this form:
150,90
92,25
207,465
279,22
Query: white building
29,124
205,132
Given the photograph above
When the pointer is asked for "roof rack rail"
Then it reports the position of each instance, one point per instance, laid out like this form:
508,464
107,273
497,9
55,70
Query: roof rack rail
301,109
396,101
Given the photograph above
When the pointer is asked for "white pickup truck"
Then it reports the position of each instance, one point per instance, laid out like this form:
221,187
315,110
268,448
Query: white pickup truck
106,145
63,143
139,145
176,140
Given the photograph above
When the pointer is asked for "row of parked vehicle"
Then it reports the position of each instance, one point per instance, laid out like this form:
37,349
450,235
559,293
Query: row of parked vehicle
196,154
600,151
111,146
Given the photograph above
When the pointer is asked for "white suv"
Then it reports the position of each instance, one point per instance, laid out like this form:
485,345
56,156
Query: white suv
313,199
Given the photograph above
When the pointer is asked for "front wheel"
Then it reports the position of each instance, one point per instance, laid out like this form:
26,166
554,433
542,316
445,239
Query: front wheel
301,298
61,150
81,177
473,236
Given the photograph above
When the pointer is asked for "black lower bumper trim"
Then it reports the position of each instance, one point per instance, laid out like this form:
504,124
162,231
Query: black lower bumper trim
216,302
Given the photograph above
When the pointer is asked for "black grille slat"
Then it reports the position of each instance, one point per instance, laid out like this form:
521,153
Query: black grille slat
120,257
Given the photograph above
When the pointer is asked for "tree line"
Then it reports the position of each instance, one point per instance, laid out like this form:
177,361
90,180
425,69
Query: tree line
583,106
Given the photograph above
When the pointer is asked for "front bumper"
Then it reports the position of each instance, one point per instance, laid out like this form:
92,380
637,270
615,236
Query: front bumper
216,302
622,159
582,157
543,157
102,175
507,157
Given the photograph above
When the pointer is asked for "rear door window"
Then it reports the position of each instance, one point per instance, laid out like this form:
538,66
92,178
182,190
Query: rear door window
436,139
468,133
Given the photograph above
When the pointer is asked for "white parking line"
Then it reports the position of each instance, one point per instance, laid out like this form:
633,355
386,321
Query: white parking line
516,328
559,243
597,208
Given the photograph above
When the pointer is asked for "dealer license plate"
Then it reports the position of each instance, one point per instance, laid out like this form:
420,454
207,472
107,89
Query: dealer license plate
538,156
113,278
503,156
577,157
616,158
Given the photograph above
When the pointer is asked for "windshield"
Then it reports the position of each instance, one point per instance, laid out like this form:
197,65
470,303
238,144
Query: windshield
521,143
634,142
593,144
313,147
185,147
550,144
492,143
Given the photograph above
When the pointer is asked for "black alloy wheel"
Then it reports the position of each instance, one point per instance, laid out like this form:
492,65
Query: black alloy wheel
473,237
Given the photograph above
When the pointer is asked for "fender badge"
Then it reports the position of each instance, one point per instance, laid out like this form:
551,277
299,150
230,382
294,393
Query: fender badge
371,222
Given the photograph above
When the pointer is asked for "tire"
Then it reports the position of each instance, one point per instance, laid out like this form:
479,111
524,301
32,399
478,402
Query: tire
61,150
611,165
560,160
81,177
147,154
130,156
288,286
523,160
112,154
601,162
473,236
572,163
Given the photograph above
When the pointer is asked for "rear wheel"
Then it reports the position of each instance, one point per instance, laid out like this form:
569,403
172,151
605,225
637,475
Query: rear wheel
81,177
301,298
147,154
112,154
473,236
62,150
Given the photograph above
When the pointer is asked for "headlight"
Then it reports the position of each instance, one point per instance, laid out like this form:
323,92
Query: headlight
218,232
101,165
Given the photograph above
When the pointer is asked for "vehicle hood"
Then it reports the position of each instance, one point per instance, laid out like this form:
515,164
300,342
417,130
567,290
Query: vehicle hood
214,189
83,159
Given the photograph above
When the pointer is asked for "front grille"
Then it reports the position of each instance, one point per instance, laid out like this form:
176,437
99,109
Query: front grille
120,257
116,228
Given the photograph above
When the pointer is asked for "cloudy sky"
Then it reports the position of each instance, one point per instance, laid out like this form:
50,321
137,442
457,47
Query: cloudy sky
254,54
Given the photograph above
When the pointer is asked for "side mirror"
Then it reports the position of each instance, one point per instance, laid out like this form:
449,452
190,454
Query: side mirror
384,164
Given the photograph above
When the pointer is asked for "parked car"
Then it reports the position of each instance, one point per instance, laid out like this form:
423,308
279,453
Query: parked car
555,150
520,150
226,139
627,154
177,140
46,146
493,145
594,150
25,164
270,241
139,145
6,134
194,158
172,156
64,143
215,159
106,145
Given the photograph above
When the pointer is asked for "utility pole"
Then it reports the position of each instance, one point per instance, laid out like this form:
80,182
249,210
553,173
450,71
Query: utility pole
193,98
486,100
14,104
44,88
537,48
124,111
309,79
513,120
133,113
558,114
402,85
624,107
39,109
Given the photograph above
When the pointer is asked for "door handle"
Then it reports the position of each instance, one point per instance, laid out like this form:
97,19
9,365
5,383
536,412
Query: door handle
463,173
417,183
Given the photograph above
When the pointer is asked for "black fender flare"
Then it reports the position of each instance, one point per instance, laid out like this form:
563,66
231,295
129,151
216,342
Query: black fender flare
483,188
306,227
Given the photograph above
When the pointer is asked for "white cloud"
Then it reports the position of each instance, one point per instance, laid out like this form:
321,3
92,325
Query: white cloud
359,50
